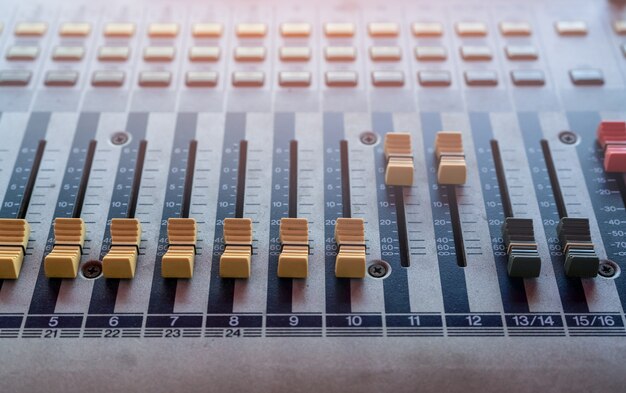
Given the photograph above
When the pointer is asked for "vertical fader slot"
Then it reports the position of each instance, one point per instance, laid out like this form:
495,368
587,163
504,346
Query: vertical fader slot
518,233
182,232
349,232
237,256
70,232
121,260
399,174
15,232
574,233
293,261
452,171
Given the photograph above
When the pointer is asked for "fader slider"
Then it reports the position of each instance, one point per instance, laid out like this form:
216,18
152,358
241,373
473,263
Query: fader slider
69,239
399,154
14,234
178,261
452,168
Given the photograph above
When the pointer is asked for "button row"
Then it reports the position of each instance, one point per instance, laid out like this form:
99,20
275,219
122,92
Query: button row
300,30
431,78
258,53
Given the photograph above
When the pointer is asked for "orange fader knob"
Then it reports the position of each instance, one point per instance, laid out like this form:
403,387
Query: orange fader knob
612,138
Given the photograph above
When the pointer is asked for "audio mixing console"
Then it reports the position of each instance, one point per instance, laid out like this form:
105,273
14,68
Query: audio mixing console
343,196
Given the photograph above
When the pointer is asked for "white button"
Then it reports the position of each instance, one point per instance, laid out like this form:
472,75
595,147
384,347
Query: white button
22,53
471,29
388,78
251,30
108,78
119,30
15,77
431,53
30,29
68,53
294,78
253,53
385,53
155,79
295,29
207,30
295,53
114,53
383,29
476,53
571,28
159,53
509,29
620,27
204,53
75,29
248,79
201,78
340,53
341,78
61,78
427,29
163,30
339,29
521,52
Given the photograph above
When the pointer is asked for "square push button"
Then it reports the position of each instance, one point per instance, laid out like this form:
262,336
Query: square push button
207,30
119,30
15,77
471,29
341,78
295,30
427,29
336,30
155,78
571,28
204,53
587,77
68,53
75,29
388,78
476,53
61,78
113,53
108,78
31,29
431,53
248,79
22,53
528,78
201,79
515,29
481,78
294,79
521,52
434,78
295,53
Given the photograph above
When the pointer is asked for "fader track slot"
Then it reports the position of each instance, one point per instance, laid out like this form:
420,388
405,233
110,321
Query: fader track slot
30,185
345,179
241,178
293,179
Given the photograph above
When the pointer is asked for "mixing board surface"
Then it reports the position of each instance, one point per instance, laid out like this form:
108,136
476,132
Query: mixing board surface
350,196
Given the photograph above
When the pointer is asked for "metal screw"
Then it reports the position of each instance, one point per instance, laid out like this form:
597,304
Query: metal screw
368,138
92,269
568,137
378,269
608,269
120,138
